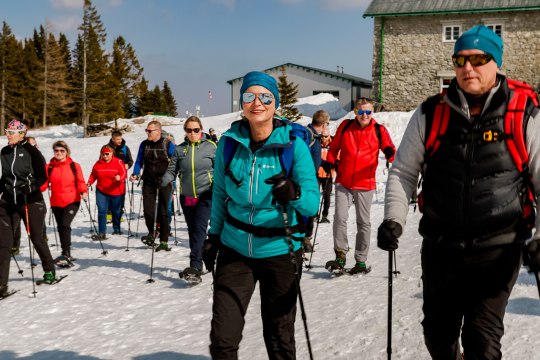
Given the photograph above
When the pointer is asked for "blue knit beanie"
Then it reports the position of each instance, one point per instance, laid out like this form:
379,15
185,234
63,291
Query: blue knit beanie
262,79
481,38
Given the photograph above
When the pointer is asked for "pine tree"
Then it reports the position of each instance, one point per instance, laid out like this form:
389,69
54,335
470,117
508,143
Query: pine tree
11,101
32,76
142,98
169,103
287,96
155,100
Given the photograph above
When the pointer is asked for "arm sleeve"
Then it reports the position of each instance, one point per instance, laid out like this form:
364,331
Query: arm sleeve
139,162
219,193
332,155
121,170
46,183
304,176
403,174
38,166
129,158
172,170
533,148
386,142
81,185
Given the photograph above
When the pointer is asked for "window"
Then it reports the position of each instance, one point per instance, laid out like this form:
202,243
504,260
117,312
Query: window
496,28
451,32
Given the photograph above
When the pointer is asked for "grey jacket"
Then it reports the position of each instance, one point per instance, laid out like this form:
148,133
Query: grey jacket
193,163
404,173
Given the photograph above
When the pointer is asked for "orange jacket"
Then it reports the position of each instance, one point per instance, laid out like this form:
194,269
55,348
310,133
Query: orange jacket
65,189
359,154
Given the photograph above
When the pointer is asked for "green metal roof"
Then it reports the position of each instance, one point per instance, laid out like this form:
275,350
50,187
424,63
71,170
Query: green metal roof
354,79
379,8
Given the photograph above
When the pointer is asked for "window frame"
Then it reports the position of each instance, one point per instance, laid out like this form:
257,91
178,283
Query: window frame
452,27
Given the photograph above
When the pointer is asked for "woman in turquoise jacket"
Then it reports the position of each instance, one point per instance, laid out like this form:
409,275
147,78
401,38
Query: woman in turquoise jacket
247,222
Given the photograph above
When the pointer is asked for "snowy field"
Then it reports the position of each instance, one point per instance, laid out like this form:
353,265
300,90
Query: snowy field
105,309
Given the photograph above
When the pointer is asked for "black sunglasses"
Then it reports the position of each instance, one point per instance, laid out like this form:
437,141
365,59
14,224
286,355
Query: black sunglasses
195,130
475,60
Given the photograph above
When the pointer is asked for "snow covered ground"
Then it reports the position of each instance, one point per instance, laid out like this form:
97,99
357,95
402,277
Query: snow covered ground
105,309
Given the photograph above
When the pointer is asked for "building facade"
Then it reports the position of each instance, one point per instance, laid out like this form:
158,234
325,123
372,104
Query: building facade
414,40
311,81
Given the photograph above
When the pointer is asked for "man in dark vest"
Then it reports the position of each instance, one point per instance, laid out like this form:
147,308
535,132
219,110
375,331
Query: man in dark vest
153,158
476,203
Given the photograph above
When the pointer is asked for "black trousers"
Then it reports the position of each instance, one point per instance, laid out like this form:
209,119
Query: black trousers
197,218
467,291
149,204
64,216
10,218
326,188
234,283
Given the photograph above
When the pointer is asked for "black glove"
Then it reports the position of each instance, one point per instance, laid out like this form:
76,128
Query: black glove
327,166
283,189
531,256
210,250
388,152
24,189
387,236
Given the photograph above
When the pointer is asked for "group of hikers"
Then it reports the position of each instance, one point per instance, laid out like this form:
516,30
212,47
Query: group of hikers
250,200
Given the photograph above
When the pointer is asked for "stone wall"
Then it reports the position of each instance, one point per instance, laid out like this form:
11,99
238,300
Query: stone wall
414,54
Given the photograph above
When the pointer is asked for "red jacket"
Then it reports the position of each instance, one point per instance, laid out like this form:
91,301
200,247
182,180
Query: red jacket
65,189
358,158
105,172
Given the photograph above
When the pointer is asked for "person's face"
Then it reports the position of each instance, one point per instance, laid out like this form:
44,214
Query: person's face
476,80
362,114
193,131
14,136
117,140
255,111
153,132
60,154
106,156
325,137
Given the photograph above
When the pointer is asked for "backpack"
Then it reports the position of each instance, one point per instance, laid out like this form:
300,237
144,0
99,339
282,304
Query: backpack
515,124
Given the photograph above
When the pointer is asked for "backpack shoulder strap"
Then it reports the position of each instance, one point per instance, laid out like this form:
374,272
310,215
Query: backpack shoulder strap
49,171
514,128
378,133
436,125
229,149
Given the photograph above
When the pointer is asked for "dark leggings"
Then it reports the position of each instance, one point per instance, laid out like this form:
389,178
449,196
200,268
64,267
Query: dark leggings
64,216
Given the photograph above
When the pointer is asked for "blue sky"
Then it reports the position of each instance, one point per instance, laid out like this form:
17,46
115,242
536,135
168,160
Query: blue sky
197,45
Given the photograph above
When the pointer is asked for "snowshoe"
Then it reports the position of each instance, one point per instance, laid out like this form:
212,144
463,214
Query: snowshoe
360,268
324,220
163,247
5,292
191,275
335,266
148,240
99,237
50,279
64,261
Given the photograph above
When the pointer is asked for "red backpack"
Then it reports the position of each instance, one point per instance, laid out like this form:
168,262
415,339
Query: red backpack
514,128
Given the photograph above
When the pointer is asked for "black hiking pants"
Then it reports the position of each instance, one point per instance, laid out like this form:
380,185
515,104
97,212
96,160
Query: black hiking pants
197,217
234,283
467,291
64,216
149,192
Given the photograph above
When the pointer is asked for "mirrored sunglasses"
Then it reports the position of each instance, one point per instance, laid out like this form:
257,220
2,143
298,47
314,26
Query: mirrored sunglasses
362,112
195,130
475,60
265,98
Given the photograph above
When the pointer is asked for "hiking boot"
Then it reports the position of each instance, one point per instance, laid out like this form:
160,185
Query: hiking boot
306,245
324,220
117,232
48,277
4,292
148,240
360,268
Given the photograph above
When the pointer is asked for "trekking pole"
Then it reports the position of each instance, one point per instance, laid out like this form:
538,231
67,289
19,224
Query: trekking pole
392,270
151,280
308,266
17,263
139,214
174,214
93,226
296,276
90,211
54,221
537,278
179,207
129,228
27,218
131,201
